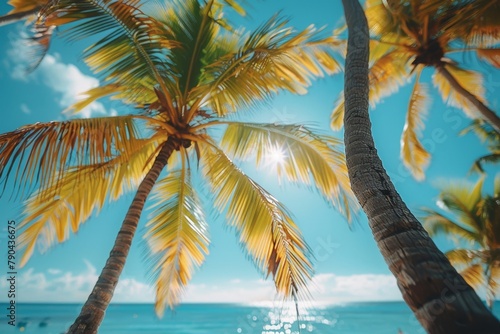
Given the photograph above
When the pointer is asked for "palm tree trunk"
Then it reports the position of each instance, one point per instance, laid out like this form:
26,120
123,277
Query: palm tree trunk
11,18
486,113
93,310
437,294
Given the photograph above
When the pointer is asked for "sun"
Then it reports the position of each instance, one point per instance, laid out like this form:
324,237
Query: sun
275,156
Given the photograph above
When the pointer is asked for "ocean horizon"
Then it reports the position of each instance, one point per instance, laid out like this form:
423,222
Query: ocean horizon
191,318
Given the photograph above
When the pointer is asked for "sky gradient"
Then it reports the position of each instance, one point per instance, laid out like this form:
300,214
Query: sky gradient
348,264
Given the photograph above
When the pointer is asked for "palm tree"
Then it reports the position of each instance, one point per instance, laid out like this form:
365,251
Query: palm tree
410,35
436,293
477,221
491,137
187,75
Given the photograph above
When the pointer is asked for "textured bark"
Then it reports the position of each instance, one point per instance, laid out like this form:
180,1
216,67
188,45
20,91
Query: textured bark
440,298
12,18
93,310
486,113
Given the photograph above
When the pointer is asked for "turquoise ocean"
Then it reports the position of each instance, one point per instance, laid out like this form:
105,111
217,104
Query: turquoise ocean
352,318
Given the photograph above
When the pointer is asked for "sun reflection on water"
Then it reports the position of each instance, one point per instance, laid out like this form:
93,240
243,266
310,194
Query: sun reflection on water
284,320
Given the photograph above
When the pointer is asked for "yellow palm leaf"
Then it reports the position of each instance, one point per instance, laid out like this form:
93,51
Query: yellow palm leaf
474,275
265,227
52,213
26,5
177,235
436,223
310,158
470,80
41,151
463,257
387,74
90,96
415,157
337,117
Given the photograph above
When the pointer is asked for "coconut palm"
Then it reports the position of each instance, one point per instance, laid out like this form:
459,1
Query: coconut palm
439,297
475,220
408,36
186,74
491,137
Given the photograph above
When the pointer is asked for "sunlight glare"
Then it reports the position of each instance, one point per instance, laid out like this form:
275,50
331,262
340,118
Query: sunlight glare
276,156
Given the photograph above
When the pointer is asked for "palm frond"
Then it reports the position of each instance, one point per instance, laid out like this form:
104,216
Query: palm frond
387,74
470,80
493,158
415,157
177,235
50,214
492,56
382,21
236,6
435,223
132,49
337,117
463,199
264,226
480,27
310,158
39,152
272,58
463,257
193,28
474,275
25,5
484,131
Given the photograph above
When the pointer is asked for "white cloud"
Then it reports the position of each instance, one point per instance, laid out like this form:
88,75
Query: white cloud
66,80
330,288
59,286
70,83
25,109
54,271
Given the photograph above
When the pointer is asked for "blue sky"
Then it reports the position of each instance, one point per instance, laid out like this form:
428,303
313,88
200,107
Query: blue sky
348,264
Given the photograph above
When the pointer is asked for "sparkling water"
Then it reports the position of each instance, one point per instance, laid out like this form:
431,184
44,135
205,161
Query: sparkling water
352,318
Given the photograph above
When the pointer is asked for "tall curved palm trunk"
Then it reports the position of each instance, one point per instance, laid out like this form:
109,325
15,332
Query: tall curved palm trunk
436,293
93,310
